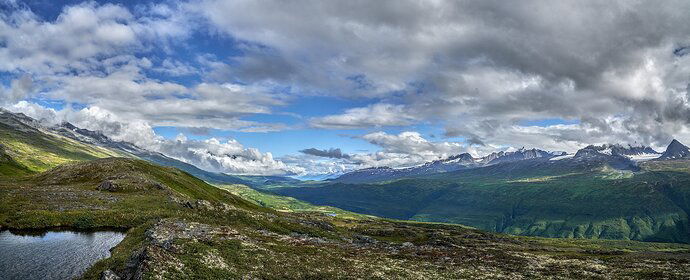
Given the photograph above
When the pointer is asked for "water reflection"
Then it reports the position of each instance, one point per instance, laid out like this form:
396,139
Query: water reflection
53,254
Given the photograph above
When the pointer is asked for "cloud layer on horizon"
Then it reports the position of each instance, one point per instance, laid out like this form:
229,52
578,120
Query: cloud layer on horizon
480,70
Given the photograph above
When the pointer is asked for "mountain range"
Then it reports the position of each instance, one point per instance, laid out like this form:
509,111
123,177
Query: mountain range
600,192
606,191
180,227
617,155
66,131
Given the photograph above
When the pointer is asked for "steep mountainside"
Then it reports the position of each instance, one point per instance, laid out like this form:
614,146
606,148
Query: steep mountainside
453,163
182,228
37,148
676,150
179,227
40,147
9,167
591,195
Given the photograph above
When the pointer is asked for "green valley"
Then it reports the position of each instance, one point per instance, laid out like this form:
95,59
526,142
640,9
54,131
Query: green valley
287,204
180,227
533,198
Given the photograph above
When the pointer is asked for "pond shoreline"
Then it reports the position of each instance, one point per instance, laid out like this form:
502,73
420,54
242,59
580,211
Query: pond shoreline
41,231
54,254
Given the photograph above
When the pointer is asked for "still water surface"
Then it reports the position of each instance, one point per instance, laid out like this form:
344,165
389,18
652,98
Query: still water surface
53,254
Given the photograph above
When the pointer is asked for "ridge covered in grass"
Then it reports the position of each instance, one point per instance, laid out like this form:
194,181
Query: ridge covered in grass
40,150
532,198
183,228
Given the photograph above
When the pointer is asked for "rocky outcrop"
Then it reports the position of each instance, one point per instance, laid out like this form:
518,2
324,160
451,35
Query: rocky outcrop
107,185
675,150
109,275
200,204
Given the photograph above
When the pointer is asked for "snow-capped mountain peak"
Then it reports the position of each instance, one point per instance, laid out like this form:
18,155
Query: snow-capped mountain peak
676,150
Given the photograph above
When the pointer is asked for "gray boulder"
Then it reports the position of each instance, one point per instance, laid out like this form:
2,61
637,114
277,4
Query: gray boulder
109,275
107,185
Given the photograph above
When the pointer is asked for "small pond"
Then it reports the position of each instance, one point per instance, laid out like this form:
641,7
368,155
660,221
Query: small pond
53,254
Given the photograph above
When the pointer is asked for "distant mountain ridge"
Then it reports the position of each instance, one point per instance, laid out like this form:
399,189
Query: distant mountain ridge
601,192
28,125
624,157
452,163
93,137
676,150
96,138
618,156
615,150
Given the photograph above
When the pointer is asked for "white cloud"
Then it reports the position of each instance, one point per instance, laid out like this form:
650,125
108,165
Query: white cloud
228,157
372,116
93,55
410,148
466,62
210,154
19,89
478,69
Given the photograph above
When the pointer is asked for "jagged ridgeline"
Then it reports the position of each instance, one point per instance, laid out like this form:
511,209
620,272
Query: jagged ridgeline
601,192
180,227
35,148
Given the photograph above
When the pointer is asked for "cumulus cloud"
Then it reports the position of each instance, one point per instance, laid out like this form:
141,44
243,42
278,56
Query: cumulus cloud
466,61
19,89
228,157
79,33
405,149
376,115
92,55
319,168
477,69
330,153
211,154
410,148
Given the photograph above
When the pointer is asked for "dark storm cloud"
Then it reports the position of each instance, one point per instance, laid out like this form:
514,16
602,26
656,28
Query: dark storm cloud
330,153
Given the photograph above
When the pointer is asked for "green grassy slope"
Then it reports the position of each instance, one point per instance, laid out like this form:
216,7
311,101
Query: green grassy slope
182,228
66,196
9,167
40,151
286,204
550,201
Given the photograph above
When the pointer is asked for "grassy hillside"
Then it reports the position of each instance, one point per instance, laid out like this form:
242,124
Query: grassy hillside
286,204
9,167
40,151
67,196
534,199
182,228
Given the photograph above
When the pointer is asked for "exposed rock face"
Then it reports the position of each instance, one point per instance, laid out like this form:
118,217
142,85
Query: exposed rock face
521,154
453,163
614,150
160,253
107,185
164,232
109,275
3,155
200,204
676,150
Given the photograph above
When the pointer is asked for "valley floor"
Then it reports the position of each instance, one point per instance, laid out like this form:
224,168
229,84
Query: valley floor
182,228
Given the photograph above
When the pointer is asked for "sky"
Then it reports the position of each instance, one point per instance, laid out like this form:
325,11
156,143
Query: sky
316,88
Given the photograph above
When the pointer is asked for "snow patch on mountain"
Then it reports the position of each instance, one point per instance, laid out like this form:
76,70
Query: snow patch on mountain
565,156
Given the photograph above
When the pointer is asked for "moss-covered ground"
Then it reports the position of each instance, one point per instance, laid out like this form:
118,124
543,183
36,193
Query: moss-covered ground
179,227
